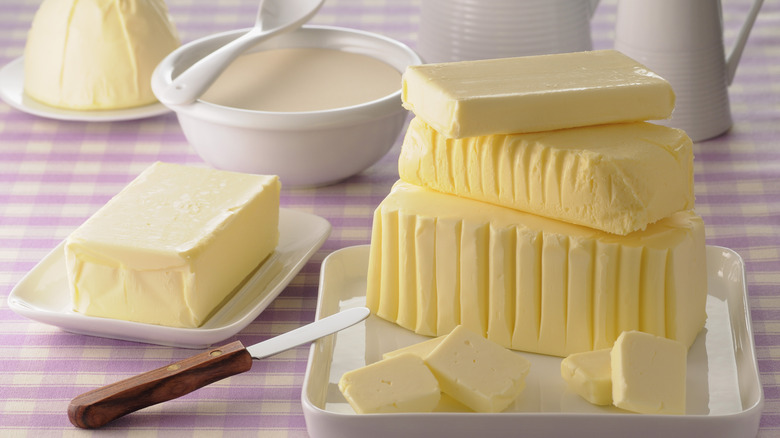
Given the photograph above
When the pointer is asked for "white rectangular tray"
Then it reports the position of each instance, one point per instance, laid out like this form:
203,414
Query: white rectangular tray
724,394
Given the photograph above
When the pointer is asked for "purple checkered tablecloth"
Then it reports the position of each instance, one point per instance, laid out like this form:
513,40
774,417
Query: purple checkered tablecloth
55,174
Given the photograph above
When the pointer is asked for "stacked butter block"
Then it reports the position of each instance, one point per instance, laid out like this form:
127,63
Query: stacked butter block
538,207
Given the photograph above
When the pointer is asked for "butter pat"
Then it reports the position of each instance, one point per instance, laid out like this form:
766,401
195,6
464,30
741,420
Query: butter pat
172,245
535,93
531,283
589,374
402,383
648,374
476,372
420,349
96,54
616,178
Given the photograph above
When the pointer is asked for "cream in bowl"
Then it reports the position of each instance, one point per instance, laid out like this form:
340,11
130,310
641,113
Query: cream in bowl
314,106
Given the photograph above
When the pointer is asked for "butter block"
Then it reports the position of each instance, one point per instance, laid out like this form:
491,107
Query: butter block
96,54
535,93
420,349
648,374
172,245
479,373
616,178
531,283
589,374
402,383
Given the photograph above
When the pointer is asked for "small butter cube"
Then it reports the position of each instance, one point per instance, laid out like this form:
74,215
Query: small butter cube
477,372
401,383
648,374
172,245
589,374
420,349
535,93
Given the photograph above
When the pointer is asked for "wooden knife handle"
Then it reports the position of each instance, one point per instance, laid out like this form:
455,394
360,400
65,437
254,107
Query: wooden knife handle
99,406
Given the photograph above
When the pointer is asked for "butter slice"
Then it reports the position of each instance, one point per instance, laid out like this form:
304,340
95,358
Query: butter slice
589,374
531,283
616,178
648,374
535,93
399,384
420,349
477,372
172,245
96,54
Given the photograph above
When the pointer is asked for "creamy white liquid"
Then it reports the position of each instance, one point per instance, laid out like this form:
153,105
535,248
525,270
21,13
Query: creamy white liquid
302,79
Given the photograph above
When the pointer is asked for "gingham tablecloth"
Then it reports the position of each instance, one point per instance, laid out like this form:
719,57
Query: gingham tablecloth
53,175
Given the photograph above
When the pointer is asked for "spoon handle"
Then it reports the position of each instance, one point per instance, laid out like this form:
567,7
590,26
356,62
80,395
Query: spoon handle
194,81
97,407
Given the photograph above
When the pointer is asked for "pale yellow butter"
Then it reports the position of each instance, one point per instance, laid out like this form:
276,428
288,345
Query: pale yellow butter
589,374
648,374
172,245
616,178
402,383
96,54
479,373
531,283
420,349
535,93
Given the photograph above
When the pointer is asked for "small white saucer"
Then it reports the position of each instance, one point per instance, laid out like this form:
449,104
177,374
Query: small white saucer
42,295
12,93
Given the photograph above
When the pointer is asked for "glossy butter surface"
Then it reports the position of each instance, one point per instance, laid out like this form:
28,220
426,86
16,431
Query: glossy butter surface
535,93
616,178
172,245
528,282
96,54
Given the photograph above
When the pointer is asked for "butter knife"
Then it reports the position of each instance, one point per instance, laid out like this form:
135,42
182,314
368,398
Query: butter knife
95,408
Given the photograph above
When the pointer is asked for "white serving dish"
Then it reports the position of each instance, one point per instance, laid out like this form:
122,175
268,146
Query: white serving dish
42,295
724,393
12,93
309,148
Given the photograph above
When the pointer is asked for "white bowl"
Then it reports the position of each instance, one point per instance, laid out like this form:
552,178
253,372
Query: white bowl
304,148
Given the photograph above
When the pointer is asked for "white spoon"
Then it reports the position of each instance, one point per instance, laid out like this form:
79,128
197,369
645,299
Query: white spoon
273,18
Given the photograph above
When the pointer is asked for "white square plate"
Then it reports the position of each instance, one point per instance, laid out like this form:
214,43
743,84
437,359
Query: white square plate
42,295
724,393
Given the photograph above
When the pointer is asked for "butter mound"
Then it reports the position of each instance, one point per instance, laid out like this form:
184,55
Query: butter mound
96,54
535,93
528,282
172,245
616,178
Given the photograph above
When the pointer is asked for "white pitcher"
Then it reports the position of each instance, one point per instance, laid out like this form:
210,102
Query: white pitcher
459,30
682,40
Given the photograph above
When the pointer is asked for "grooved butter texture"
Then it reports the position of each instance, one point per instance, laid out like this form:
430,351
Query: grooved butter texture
528,282
535,93
617,178
172,245
96,54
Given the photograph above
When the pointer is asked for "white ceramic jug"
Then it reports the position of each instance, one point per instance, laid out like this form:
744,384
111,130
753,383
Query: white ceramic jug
459,30
682,40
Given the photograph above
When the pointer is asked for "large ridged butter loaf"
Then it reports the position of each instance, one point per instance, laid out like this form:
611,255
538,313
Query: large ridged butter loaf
616,178
528,282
